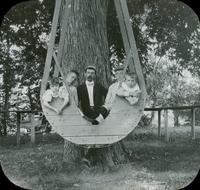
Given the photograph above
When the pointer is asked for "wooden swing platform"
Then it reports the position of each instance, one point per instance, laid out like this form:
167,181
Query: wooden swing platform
123,117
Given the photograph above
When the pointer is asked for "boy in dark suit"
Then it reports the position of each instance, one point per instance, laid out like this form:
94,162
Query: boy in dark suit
91,97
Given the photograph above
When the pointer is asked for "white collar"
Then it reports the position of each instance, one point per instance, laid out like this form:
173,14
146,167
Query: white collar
88,83
124,85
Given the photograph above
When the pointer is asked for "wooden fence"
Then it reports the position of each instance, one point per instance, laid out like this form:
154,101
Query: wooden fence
31,123
158,109
165,109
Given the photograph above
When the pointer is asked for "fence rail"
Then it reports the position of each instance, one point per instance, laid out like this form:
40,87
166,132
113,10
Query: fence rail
19,122
157,109
165,109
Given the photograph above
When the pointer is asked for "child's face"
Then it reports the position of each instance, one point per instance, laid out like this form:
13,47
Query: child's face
72,79
119,75
130,81
54,87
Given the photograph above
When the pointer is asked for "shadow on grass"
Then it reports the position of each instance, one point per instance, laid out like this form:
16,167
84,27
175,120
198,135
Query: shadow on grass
11,141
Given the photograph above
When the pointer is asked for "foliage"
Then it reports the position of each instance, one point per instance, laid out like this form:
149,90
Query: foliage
23,52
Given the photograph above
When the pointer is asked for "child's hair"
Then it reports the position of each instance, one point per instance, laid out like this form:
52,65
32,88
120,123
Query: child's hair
54,81
74,71
69,74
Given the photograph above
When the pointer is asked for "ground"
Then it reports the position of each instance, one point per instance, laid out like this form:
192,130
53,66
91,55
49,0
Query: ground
155,164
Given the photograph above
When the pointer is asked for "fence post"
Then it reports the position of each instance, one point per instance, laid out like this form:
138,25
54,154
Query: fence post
166,125
193,110
32,129
18,128
159,123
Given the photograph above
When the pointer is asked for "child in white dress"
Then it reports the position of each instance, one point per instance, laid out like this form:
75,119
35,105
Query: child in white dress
72,81
126,87
110,97
129,89
54,92
113,88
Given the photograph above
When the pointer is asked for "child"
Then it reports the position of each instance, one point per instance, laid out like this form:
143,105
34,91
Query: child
72,81
129,89
112,91
53,93
110,97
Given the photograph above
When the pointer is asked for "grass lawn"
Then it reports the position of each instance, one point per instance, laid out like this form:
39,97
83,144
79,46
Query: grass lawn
155,164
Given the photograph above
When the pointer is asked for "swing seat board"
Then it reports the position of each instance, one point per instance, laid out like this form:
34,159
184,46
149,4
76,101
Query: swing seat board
122,119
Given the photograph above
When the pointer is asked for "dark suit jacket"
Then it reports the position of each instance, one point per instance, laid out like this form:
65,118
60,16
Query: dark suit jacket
99,95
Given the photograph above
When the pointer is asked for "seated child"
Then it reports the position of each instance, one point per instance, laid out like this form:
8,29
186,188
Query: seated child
129,89
53,93
112,91
110,97
71,81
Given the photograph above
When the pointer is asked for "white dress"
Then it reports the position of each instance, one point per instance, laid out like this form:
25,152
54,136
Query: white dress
49,95
135,90
110,97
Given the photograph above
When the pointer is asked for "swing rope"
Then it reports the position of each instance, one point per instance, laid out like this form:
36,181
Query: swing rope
61,73
82,134
50,48
126,66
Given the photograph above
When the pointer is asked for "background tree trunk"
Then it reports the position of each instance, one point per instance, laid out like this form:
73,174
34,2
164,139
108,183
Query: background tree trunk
5,106
176,118
29,94
7,80
85,44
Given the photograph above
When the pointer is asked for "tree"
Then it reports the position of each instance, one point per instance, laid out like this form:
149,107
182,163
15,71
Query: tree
23,50
7,70
179,33
86,43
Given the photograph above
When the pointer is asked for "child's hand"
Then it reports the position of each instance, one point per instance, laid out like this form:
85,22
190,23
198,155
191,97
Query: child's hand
133,101
59,111
56,110
131,93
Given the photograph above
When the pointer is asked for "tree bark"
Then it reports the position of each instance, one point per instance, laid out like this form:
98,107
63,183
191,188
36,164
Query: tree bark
86,44
86,38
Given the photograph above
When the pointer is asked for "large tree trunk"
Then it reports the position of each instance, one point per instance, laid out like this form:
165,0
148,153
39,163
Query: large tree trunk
86,43
86,38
